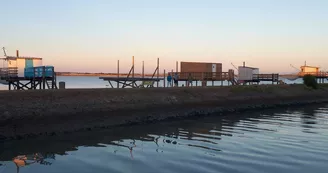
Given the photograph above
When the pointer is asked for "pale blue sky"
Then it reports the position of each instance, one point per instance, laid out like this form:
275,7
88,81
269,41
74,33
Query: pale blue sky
91,35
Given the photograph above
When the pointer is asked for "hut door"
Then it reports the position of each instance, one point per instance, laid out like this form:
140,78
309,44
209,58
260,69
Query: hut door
28,63
214,69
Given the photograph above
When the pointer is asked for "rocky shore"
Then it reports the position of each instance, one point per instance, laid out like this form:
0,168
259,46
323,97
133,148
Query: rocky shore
50,112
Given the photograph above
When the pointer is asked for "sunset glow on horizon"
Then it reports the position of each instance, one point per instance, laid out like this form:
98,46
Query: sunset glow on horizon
90,36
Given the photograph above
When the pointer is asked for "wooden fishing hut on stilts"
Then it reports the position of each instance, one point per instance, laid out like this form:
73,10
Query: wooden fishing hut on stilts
26,73
203,72
252,75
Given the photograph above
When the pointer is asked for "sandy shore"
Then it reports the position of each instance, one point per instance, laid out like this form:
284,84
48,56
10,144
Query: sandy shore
50,112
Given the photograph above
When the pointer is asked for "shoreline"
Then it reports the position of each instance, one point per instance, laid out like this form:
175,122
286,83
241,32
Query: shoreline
103,74
25,114
61,144
72,74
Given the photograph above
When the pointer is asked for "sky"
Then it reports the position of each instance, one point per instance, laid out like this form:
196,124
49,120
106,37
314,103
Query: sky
91,35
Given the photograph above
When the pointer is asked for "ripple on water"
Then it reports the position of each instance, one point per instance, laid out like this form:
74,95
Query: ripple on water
291,140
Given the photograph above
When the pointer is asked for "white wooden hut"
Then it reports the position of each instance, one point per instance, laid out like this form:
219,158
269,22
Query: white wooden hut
18,63
246,73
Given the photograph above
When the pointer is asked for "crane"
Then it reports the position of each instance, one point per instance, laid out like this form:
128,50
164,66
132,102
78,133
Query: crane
4,51
234,66
295,67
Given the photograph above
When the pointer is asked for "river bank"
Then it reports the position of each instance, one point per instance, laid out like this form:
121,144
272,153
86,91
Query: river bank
51,112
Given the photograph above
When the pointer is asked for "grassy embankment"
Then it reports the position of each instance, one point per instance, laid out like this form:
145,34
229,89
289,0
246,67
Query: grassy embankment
36,112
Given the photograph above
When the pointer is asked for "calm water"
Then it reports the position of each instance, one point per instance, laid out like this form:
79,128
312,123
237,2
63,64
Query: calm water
95,82
287,140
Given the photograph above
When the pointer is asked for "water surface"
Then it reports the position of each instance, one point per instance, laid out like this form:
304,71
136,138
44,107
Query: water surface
286,140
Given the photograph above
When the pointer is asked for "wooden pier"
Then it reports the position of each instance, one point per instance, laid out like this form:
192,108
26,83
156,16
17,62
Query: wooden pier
320,76
274,78
131,81
257,78
9,76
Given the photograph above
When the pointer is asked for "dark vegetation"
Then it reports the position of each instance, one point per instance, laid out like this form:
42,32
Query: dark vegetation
310,81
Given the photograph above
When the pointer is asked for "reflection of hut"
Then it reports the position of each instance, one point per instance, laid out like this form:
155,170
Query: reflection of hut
25,160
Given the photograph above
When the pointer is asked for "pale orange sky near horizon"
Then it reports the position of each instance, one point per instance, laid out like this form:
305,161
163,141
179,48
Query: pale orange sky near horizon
90,36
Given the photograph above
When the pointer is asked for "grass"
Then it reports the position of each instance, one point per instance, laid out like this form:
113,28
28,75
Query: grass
324,85
254,88
271,88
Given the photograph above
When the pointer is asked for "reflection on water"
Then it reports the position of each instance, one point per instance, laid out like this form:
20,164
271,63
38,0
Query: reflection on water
25,160
291,140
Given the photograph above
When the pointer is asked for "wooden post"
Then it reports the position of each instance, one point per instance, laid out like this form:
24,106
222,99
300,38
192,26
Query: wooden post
164,79
132,67
157,71
172,77
176,67
118,73
53,78
143,69
44,77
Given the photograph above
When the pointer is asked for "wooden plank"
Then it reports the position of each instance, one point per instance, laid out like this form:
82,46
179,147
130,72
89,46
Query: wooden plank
130,79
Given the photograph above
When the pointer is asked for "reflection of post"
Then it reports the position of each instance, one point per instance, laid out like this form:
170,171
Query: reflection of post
118,72
157,71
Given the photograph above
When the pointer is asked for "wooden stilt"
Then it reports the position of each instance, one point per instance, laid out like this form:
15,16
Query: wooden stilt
132,66
157,72
143,69
164,79
118,72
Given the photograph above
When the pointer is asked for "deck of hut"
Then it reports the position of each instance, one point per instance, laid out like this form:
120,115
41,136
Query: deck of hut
9,77
320,75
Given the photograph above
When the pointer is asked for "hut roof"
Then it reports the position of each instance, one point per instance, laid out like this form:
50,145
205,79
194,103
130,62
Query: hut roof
309,66
254,68
21,57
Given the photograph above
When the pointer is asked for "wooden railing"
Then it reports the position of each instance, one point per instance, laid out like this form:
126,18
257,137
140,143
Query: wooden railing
267,77
8,72
210,76
317,74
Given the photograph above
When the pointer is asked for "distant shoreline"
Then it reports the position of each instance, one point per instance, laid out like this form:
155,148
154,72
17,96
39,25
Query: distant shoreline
103,74
135,74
